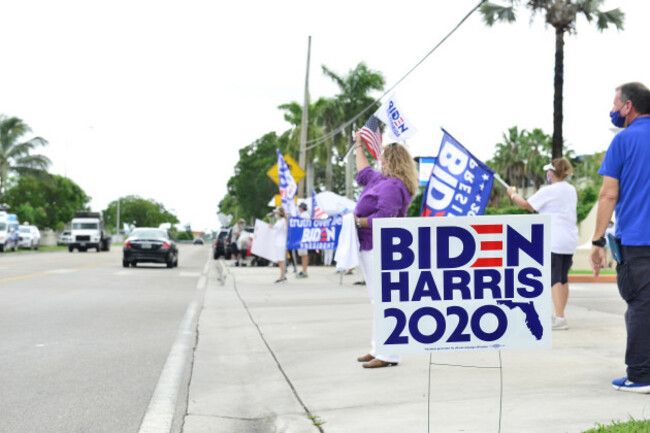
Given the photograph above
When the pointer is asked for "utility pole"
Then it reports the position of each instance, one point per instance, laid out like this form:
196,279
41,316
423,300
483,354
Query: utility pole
117,228
303,129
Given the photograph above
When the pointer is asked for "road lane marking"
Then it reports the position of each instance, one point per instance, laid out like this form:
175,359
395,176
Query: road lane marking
54,271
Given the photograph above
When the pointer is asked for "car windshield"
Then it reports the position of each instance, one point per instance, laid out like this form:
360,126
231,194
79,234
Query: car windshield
148,234
24,230
3,226
84,226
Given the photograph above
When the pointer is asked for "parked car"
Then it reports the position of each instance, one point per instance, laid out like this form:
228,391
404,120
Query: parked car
64,238
28,237
149,245
221,244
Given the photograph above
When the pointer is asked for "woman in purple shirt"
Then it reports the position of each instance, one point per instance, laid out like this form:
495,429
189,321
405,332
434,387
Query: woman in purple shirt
386,194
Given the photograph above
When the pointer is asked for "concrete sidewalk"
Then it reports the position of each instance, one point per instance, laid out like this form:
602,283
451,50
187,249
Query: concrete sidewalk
270,356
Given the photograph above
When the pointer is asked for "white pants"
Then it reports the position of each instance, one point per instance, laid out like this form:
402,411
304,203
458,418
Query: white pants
365,257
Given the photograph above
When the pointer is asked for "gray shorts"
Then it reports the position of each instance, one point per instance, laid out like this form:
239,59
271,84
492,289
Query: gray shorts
303,252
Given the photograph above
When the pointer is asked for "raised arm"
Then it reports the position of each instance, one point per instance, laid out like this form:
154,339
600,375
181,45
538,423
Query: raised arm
362,161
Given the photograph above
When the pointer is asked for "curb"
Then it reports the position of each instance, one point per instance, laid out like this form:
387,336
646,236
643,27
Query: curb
584,278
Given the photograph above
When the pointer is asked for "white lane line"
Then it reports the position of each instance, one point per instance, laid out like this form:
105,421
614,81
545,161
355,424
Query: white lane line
160,413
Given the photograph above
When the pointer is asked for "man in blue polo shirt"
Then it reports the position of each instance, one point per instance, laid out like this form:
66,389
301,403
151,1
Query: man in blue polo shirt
626,190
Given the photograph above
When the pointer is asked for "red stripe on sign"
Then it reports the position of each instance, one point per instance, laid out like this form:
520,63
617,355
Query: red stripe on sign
439,214
488,228
491,246
488,262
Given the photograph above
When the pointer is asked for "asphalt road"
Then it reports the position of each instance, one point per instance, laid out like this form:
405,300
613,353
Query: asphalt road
84,341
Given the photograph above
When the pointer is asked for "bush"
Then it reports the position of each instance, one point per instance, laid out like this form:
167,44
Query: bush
586,199
184,236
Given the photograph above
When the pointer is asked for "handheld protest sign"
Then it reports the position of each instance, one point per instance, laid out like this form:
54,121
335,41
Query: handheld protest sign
462,283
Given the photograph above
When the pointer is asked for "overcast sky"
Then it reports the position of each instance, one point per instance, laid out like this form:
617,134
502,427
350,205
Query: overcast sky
155,98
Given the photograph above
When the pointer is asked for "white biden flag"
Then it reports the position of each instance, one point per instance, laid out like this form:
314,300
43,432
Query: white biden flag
399,128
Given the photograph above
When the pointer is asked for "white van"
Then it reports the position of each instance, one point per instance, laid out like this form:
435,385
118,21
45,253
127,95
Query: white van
8,231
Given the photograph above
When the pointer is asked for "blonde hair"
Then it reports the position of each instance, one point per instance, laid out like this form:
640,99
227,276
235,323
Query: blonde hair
399,164
562,167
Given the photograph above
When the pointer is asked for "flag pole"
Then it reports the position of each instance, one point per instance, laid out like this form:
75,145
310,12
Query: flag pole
347,152
497,177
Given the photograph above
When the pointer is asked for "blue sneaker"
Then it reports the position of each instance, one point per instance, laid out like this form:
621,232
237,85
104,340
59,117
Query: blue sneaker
623,384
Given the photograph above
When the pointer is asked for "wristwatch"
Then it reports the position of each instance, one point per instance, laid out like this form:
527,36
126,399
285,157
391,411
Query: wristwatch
600,242
358,222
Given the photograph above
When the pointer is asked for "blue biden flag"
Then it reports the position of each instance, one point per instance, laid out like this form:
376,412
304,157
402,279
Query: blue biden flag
460,184
314,234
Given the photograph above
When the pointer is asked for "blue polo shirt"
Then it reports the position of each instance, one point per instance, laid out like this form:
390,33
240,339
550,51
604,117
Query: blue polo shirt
628,160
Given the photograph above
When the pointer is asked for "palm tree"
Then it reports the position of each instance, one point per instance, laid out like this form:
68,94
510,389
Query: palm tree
331,117
353,98
561,14
536,148
293,115
15,156
509,159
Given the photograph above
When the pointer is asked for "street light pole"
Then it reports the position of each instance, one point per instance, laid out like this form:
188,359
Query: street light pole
303,129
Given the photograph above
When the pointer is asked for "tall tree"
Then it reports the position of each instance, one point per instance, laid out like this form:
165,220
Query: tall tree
46,201
138,211
509,159
331,117
353,97
561,15
250,189
16,155
323,116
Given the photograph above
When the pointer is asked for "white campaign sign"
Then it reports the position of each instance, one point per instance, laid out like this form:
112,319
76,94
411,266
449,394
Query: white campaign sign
263,241
462,283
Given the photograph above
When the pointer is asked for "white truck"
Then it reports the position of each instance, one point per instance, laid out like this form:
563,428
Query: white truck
87,231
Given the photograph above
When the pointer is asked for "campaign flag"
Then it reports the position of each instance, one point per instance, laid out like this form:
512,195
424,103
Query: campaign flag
288,187
459,185
314,234
399,128
316,210
371,135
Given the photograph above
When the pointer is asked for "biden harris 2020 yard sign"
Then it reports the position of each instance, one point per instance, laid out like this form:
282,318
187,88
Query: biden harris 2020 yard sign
462,283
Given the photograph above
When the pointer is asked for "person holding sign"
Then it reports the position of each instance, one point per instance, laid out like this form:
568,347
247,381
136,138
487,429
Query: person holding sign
386,194
560,201
280,241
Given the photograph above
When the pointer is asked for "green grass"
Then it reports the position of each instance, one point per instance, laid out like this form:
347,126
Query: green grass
632,426
589,272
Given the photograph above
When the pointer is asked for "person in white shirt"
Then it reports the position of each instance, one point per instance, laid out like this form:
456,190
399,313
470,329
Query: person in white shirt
280,241
559,200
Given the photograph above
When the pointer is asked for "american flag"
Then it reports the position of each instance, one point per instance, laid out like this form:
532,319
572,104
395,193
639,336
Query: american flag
371,135
317,211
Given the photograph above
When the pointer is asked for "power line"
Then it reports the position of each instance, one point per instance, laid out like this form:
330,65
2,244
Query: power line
319,140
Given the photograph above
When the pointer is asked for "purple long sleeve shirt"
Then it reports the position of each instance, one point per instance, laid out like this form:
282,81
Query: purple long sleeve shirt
382,197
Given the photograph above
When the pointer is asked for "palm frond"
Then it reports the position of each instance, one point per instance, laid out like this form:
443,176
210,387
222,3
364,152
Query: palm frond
614,17
492,13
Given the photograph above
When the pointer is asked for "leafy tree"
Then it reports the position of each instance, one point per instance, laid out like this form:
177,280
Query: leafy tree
16,155
250,188
561,15
47,201
353,98
509,159
324,115
138,211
